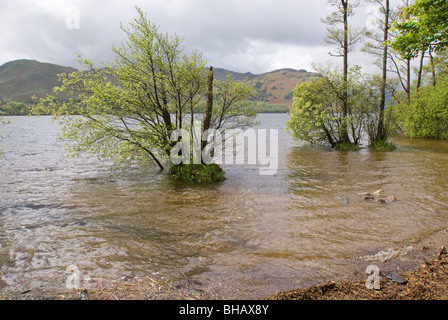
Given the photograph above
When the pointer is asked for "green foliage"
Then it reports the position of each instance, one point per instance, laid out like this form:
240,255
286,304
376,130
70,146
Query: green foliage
316,113
346,146
2,122
309,113
441,63
200,173
267,107
389,123
232,108
382,145
423,24
14,109
426,114
127,110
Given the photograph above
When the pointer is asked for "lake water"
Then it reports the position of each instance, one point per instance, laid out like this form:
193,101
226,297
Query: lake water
247,237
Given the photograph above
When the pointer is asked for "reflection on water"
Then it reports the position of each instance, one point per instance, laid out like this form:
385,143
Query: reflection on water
255,234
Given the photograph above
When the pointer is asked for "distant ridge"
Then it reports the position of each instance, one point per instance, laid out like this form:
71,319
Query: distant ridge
275,86
221,74
20,80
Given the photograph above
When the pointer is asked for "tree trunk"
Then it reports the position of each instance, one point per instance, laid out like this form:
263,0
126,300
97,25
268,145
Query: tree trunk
381,132
344,133
420,70
408,76
166,116
433,68
209,110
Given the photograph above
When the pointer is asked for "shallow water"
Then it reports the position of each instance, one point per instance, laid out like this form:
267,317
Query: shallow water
248,236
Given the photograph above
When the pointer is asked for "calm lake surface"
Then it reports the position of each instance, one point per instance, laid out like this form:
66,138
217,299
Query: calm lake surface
247,237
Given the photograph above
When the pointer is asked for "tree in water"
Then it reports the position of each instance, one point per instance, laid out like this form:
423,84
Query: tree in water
421,31
128,109
380,49
344,39
315,115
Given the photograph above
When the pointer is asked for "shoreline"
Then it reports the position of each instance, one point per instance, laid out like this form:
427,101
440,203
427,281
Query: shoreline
419,274
429,281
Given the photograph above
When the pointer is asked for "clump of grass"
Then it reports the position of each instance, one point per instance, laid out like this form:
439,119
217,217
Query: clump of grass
382,145
346,146
197,172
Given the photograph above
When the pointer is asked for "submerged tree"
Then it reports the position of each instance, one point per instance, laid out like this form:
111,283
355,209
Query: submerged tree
344,39
128,109
380,49
422,31
426,114
315,115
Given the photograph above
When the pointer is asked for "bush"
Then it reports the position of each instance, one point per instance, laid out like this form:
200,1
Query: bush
14,109
426,114
197,172
316,115
346,146
382,145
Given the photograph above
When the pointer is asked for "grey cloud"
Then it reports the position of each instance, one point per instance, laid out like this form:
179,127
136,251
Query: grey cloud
219,23
246,35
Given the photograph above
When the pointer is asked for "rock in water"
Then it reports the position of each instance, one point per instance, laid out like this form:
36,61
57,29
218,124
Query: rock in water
380,193
365,194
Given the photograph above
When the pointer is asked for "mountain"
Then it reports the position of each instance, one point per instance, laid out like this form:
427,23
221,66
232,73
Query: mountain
274,87
22,79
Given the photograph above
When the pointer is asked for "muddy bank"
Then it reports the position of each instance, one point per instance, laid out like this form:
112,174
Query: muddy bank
419,274
427,282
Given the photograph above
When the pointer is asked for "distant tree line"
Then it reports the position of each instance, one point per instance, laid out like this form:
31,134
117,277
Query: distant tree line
268,107
2,122
13,108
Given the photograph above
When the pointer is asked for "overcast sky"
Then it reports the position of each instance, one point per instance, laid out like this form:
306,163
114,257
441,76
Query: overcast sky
240,35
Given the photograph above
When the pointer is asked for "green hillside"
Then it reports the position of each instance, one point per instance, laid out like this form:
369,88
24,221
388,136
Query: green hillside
20,80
